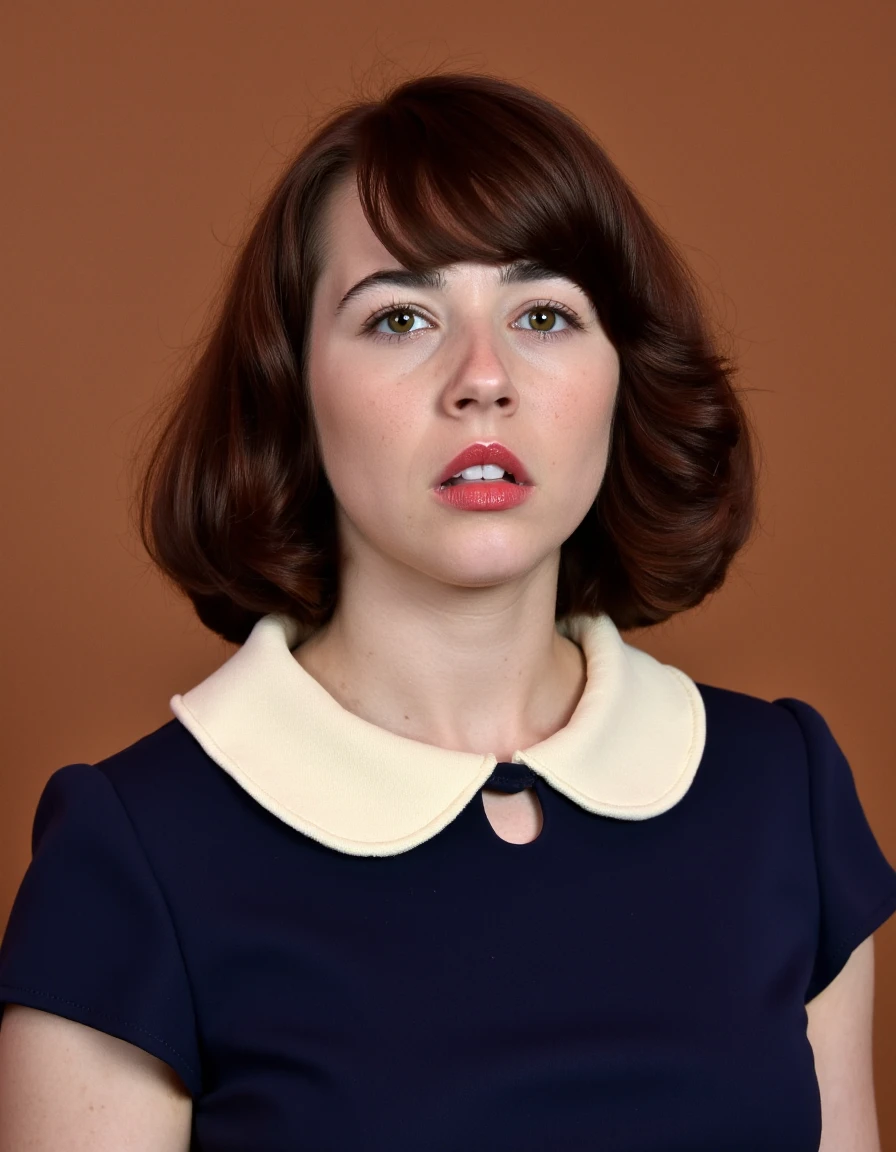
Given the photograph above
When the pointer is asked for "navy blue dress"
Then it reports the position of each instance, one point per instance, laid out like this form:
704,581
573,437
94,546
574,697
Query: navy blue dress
621,985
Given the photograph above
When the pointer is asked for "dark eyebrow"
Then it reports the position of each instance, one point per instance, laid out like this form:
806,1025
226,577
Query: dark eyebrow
518,272
400,277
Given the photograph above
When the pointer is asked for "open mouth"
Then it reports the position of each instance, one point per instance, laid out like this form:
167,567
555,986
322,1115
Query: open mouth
483,463
507,478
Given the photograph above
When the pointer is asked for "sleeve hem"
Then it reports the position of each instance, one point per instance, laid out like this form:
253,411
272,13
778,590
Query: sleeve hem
879,914
104,1022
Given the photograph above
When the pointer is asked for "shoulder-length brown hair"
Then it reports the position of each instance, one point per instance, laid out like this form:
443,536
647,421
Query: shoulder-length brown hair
233,503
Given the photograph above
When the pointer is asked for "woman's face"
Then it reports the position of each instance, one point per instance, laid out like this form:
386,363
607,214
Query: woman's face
403,378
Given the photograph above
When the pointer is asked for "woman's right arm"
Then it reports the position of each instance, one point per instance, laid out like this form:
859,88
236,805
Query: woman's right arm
65,1087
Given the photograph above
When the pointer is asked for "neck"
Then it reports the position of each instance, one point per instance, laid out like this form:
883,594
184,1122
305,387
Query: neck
469,669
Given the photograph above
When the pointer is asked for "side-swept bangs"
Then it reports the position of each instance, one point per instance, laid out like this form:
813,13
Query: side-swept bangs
234,506
458,171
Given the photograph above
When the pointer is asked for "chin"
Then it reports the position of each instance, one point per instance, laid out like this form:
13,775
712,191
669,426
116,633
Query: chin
467,570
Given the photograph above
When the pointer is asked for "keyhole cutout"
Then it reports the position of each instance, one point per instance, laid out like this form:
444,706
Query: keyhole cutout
514,816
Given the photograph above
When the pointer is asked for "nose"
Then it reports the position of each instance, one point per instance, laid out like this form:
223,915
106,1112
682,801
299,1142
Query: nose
479,374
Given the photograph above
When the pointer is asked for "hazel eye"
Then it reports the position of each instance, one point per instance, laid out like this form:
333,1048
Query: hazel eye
543,319
547,319
399,322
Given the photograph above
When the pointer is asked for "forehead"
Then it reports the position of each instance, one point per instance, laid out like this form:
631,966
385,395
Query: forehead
351,249
352,252
348,241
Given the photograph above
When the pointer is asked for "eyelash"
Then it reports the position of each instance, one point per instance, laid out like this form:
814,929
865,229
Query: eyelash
571,319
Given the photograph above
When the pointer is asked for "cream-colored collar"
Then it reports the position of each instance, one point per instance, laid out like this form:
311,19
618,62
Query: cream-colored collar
630,750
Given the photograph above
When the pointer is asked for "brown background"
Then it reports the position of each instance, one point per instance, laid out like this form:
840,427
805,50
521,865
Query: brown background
143,136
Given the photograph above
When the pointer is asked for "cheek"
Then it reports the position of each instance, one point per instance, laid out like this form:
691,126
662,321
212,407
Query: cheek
579,416
361,427
334,403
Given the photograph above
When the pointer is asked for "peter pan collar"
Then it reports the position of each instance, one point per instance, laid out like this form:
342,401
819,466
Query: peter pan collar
630,749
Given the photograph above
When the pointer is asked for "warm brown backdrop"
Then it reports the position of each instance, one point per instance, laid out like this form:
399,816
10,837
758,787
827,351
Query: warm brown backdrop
759,134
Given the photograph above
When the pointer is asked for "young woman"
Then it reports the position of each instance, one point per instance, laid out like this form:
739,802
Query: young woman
436,859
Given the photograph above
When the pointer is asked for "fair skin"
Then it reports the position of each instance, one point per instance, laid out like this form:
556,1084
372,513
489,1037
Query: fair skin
444,631
426,589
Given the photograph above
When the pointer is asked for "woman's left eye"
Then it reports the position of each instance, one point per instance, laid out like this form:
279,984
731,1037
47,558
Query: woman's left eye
543,317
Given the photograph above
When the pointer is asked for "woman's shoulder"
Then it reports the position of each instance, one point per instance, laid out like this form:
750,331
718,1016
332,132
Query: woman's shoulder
736,716
167,751
761,752
170,791
159,766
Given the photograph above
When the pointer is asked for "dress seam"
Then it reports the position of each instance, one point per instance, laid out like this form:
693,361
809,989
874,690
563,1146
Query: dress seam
105,1015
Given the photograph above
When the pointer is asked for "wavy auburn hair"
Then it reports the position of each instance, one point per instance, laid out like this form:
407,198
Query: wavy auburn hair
233,503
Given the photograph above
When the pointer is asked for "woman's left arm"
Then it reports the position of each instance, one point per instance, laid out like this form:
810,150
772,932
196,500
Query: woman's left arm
839,1030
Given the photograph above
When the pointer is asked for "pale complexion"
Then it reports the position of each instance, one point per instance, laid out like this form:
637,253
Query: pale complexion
454,613
444,631
445,628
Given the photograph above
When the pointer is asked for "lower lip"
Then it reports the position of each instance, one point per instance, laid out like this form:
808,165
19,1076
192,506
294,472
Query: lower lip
483,496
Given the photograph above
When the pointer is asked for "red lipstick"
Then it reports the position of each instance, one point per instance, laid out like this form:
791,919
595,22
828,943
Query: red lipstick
484,495
493,453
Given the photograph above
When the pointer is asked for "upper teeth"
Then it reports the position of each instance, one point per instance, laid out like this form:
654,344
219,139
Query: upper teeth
480,472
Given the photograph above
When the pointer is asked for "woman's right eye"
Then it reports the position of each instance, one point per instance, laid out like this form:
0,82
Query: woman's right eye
394,323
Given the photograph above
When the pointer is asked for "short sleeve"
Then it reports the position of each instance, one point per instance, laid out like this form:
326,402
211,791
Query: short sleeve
90,936
856,884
